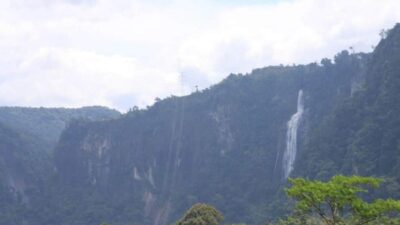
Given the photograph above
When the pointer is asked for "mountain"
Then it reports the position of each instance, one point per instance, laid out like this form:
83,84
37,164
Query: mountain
22,168
27,138
44,125
232,145
362,135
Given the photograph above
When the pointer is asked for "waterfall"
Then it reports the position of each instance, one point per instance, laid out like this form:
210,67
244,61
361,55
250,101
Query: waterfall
291,137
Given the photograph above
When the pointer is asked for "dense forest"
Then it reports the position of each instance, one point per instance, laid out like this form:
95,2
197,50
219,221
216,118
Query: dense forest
27,140
44,125
334,202
232,145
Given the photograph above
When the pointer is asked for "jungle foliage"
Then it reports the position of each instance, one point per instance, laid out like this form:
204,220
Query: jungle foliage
222,145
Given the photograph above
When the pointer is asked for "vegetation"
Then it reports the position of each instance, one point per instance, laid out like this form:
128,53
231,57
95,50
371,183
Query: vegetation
335,202
43,126
361,135
201,214
27,136
222,145
338,201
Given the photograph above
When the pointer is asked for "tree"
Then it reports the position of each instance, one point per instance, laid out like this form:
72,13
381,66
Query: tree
383,33
338,201
201,214
326,62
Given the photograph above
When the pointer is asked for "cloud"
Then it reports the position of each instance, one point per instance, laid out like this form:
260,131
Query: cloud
74,77
123,53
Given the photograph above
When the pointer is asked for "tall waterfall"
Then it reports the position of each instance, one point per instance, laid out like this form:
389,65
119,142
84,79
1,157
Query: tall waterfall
291,137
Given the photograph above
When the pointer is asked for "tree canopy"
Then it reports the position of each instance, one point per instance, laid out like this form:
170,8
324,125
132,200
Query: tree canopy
201,214
338,200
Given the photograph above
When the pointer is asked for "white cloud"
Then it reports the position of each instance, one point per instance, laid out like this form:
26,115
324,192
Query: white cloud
122,53
55,76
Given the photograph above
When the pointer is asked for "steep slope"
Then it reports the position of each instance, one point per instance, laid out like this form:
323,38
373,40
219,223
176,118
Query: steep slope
21,169
362,135
27,136
44,125
224,146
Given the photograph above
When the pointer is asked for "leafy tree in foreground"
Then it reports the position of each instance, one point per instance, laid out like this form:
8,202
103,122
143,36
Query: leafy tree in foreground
201,214
338,201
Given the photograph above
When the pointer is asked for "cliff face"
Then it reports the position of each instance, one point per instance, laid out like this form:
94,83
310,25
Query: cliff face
227,146
27,136
362,135
20,170
43,126
223,145
13,170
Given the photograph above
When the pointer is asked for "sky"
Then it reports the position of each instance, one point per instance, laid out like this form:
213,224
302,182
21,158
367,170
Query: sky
125,53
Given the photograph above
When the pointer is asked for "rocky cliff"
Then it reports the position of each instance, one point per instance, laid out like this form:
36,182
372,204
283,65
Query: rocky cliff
232,145
224,145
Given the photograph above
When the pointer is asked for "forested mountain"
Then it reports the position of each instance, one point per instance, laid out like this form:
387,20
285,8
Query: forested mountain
228,145
232,145
27,136
44,125
362,134
19,168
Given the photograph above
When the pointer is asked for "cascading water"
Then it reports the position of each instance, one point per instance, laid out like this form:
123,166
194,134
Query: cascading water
291,137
